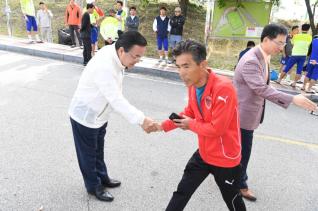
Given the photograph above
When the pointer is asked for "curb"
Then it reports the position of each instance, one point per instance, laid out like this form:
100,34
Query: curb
43,54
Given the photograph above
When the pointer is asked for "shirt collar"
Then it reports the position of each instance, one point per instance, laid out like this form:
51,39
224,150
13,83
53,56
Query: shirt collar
116,58
267,57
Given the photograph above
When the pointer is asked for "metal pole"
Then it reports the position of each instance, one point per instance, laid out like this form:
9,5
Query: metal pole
125,3
126,7
8,11
208,20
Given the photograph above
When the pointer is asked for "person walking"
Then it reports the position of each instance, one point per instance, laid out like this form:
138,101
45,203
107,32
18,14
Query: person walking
251,80
312,68
301,44
287,51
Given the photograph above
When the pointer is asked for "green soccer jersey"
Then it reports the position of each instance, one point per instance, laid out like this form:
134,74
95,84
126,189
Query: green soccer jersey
27,7
301,44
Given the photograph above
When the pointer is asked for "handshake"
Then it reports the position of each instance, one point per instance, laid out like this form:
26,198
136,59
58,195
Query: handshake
182,122
149,125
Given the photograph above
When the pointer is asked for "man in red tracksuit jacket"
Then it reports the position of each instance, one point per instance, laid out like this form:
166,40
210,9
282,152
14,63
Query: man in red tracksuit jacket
211,113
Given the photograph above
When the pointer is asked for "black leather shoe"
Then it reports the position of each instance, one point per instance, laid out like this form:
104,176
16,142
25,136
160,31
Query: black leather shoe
111,183
102,195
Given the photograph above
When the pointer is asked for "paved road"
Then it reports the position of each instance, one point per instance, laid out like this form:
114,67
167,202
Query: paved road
38,166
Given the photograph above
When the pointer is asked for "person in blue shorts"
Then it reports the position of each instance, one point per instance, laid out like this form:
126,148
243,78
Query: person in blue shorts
288,48
312,68
301,44
161,26
28,11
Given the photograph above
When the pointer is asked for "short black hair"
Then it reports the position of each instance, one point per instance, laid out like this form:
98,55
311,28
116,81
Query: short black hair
120,2
41,2
132,8
305,27
128,39
196,49
294,27
250,43
89,6
163,8
273,30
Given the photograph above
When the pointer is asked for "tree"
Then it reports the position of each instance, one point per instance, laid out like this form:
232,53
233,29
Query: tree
311,16
184,6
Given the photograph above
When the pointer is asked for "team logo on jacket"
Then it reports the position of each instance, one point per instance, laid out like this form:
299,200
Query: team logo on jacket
208,102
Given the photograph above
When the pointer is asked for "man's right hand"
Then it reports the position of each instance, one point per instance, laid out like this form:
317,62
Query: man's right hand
303,102
149,125
66,25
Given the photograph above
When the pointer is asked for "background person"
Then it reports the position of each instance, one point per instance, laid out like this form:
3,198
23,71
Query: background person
28,11
44,18
132,21
72,19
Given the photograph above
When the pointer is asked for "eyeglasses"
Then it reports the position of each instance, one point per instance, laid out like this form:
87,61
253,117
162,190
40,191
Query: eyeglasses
280,44
177,11
134,57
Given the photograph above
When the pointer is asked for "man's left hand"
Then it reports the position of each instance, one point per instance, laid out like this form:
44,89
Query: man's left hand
183,123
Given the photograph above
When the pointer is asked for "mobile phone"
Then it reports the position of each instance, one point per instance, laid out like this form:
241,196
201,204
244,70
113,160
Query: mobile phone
174,116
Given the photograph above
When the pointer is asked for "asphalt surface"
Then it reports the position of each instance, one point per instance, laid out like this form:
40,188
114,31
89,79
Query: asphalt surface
38,166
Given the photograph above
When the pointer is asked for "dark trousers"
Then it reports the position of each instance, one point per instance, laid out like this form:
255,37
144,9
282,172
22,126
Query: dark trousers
89,144
75,28
87,51
247,141
194,174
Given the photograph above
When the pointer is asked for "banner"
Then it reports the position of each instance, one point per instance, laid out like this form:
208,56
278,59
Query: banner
246,21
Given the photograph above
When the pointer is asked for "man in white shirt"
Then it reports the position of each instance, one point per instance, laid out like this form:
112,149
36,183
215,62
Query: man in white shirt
98,94
44,19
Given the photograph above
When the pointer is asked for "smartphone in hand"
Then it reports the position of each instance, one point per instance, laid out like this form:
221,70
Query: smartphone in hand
174,116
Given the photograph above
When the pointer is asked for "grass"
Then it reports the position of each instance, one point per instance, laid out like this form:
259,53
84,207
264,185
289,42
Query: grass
222,53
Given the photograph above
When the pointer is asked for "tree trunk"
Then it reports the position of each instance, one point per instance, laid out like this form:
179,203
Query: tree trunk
311,18
184,6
